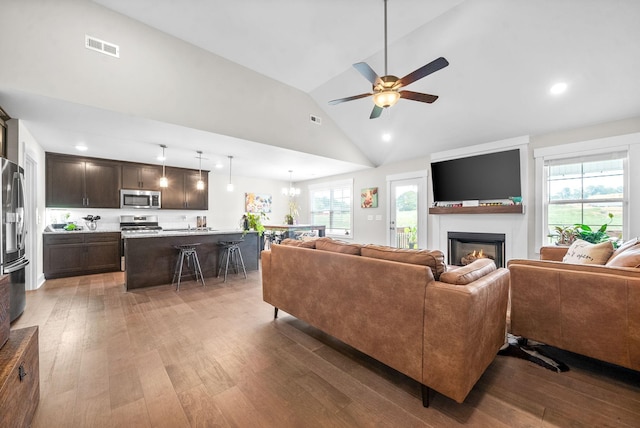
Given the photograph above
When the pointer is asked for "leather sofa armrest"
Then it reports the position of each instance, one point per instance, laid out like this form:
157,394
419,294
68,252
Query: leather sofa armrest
464,327
265,261
553,252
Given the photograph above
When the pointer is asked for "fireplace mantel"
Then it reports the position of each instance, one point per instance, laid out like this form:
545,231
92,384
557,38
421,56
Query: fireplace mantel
489,209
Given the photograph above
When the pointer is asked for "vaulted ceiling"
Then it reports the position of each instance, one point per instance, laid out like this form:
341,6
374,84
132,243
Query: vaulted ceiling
504,56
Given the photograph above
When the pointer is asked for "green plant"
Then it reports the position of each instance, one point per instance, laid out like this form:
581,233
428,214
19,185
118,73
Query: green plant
584,232
293,212
253,221
565,235
413,235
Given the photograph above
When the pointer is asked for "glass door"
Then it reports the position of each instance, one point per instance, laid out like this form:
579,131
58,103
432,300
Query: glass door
404,221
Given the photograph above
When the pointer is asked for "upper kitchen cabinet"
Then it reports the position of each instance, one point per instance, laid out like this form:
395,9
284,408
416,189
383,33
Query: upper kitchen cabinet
78,182
182,193
142,177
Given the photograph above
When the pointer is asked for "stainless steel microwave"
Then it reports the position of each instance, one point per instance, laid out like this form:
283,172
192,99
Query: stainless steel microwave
145,199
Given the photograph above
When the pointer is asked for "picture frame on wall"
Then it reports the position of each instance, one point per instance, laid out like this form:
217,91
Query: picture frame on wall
369,197
257,202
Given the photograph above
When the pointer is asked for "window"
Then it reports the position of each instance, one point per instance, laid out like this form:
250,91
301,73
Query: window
585,190
331,205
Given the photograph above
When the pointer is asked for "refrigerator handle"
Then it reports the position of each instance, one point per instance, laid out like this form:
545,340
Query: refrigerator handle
16,266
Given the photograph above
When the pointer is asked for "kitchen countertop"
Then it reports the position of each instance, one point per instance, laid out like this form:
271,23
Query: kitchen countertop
180,232
49,230
146,234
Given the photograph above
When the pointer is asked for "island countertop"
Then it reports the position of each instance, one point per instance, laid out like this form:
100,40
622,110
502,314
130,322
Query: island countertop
150,258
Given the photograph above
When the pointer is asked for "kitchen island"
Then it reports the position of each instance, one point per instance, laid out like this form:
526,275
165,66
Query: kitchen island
150,258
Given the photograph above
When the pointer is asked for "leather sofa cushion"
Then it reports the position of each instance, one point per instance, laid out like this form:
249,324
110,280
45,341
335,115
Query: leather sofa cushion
298,243
434,259
335,246
469,273
628,258
583,252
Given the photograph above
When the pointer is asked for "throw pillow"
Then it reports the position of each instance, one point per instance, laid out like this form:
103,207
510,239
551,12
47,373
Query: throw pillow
624,247
628,258
583,252
469,273
328,244
434,259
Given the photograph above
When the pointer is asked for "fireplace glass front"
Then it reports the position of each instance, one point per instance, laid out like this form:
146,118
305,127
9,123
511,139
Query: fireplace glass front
465,247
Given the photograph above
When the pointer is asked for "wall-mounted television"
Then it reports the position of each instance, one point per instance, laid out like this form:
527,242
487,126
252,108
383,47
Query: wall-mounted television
489,176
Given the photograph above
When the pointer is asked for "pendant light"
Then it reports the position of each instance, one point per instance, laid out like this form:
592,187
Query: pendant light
200,183
291,191
230,185
163,180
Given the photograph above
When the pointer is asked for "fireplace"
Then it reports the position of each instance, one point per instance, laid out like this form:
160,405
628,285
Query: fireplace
465,247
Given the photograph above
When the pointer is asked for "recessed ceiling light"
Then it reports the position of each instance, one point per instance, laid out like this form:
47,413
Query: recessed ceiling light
81,147
558,88
219,165
386,137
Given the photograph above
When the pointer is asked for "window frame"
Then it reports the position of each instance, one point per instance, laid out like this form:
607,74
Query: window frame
585,151
581,160
331,186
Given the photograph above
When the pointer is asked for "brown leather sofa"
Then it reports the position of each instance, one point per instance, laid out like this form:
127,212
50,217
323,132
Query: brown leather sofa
593,310
387,303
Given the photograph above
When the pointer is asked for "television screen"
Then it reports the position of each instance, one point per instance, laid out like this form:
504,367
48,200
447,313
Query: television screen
481,177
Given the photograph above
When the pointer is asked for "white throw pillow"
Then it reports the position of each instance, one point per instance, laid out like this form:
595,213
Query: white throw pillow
583,252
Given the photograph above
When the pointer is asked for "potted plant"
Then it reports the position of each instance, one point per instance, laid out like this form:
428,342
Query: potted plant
293,213
565,235
413,236
584,232
253,221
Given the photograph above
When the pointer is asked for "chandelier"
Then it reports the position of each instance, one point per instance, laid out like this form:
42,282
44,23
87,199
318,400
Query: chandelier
290,191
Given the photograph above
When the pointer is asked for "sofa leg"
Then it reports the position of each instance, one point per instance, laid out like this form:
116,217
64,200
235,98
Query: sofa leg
275,313
425,395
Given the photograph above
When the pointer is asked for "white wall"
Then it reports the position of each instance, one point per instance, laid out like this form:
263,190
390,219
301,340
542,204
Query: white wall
180,83
375,231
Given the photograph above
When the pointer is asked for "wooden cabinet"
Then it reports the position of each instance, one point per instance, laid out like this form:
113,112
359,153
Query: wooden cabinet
139,176
76,182
19,378
76,253
182,193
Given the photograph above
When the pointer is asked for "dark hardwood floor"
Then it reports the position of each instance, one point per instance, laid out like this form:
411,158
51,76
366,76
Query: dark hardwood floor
213,356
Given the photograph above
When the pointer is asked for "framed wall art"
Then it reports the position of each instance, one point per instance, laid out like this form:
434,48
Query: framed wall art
257,203
369,197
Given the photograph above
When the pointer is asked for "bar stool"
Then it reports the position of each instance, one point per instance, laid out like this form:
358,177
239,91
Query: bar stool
230,254
188,252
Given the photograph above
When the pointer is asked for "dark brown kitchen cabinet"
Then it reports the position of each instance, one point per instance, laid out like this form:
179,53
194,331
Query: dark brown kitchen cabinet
182,193
77,253
77,182
142,177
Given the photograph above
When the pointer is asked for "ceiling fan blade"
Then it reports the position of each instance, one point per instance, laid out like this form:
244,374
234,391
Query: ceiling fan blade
423,71
417,96
354,97
376,112
367,72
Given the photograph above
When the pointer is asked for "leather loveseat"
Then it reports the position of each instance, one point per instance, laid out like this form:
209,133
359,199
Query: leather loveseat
400,307
589,309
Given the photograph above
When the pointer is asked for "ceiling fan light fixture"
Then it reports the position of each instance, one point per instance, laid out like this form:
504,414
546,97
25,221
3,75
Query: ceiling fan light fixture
386,98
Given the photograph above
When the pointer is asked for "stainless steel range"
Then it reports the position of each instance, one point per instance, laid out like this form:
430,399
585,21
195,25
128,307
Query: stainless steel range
136,224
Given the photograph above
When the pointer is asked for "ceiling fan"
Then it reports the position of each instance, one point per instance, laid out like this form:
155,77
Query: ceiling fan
386,88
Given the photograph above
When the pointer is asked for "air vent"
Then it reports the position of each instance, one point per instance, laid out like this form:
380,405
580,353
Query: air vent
315,119
101,46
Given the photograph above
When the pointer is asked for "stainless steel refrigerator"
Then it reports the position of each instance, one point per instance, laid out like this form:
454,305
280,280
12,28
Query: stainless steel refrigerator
12,234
